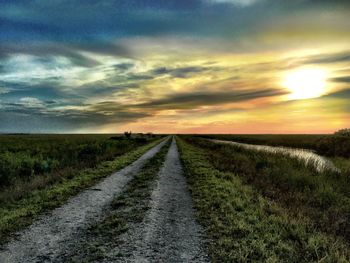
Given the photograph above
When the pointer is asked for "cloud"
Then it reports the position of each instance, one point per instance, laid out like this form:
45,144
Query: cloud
242,3
4,90
72,51
197,99
341,94
124,66
180,72
136,77
45,90
33,115
129,60
30,102
329,58
48,49
342,79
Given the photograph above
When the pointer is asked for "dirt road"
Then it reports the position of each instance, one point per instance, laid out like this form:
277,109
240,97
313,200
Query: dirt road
53,233
169,232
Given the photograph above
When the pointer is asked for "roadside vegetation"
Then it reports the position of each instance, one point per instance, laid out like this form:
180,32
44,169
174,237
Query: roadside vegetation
102,241
261,207
305,157
24,157
332,145
25,198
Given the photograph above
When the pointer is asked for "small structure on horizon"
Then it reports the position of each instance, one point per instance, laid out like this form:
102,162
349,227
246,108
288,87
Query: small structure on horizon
127,134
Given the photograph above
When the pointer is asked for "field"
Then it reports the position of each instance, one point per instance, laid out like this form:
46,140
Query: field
244,204
39,172
329,145
23,157
268,207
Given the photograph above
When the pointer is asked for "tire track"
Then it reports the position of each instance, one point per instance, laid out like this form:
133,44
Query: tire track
169,232
52,235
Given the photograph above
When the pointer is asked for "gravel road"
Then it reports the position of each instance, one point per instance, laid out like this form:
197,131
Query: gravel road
53,233
169,232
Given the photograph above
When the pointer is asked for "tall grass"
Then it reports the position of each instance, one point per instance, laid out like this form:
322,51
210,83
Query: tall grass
24,157
244,212
22,203
330,145
307,157
322,197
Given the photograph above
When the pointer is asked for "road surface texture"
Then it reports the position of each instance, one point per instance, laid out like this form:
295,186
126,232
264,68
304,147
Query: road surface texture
169,232
53,233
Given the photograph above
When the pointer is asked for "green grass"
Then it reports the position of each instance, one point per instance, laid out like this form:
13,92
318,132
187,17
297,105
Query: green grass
24,157
323,197
306,141
127,209
15,214
324,144
244,224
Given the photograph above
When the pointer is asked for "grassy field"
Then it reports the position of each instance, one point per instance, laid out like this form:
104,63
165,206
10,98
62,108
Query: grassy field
255,206
23,157
31,162
263,207
90,158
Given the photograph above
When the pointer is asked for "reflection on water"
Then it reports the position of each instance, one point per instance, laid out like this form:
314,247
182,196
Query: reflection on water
307,157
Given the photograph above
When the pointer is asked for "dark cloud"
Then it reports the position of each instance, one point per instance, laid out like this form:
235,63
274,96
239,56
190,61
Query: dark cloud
103,88
342,79
329,58
21,117
196,99
342,94
136,77
123,66
160,71
180,72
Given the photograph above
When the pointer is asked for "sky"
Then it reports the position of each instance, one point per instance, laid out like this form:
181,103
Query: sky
174,66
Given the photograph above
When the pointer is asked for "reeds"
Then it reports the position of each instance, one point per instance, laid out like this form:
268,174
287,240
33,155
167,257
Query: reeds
307,157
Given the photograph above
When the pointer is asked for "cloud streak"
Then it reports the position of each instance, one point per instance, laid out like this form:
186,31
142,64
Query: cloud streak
198,99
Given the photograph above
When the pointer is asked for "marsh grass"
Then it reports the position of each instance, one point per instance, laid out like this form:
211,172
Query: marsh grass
33,162
247,223
322,198
306,157
16,213
24,157
330,145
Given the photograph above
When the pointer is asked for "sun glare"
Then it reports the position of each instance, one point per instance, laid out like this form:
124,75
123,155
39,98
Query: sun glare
305,83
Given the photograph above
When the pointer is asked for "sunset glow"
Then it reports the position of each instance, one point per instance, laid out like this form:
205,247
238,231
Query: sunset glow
200,66
306,83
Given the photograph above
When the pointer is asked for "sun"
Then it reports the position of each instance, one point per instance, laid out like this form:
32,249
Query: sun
305,83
